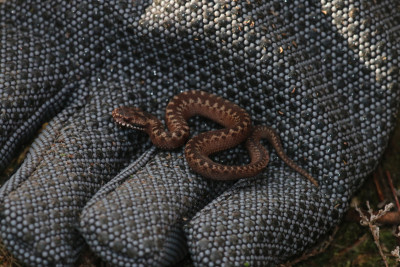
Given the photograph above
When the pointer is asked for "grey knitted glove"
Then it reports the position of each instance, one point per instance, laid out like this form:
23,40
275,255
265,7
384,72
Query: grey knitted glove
324,74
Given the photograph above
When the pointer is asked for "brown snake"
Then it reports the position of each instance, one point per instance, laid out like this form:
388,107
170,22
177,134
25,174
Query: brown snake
238,128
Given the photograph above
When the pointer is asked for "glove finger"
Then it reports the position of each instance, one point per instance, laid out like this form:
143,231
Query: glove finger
138,219
80,150
33,72
261,221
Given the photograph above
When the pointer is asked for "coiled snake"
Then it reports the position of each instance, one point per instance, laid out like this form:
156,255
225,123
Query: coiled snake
238,128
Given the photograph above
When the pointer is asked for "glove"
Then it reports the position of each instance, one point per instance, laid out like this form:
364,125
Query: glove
325,75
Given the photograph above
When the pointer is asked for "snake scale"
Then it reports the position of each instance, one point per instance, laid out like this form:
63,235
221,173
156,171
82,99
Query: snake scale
238,128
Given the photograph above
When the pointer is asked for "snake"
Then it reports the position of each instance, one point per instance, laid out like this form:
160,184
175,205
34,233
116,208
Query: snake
237,125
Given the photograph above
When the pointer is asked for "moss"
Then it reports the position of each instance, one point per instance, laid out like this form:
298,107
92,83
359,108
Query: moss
6,259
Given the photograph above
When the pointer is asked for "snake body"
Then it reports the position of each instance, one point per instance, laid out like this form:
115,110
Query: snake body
237,128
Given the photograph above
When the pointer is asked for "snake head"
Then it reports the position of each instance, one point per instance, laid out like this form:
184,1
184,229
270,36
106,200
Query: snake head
132,117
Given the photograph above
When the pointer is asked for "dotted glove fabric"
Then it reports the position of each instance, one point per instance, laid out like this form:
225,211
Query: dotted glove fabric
324,74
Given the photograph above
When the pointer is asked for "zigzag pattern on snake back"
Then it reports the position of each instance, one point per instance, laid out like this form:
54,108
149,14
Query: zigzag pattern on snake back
238,128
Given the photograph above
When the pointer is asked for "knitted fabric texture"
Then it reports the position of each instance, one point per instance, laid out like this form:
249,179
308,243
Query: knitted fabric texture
323,73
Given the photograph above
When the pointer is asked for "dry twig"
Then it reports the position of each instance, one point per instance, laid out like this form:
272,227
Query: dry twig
378,187
396,251
390,218
396,199
371,223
